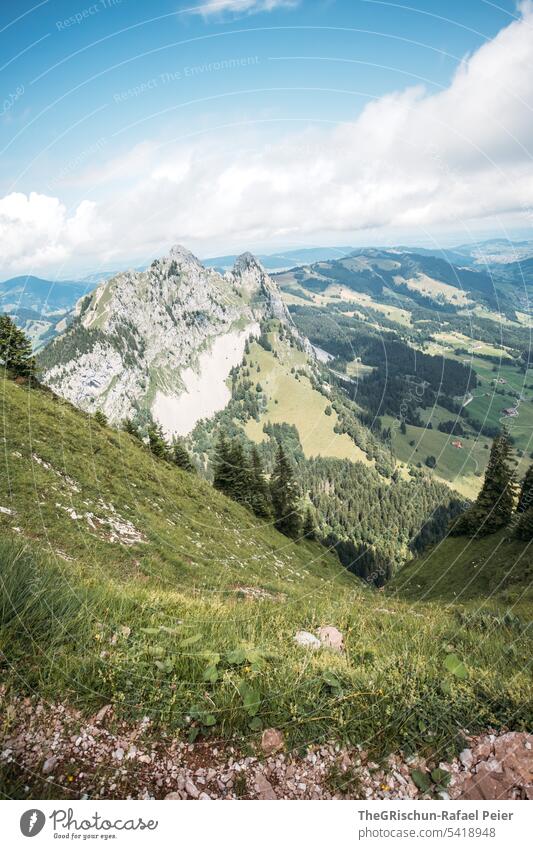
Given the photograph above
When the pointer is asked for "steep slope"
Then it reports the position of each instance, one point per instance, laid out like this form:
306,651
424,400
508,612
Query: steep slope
489,570
130,584
162,341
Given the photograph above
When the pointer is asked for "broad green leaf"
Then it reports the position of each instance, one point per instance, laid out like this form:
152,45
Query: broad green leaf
151,631
421,780
209,719
251,698
331,680
211,674
236,657
165,665
191,641
255,724
455,666
193,733
440,776
155,651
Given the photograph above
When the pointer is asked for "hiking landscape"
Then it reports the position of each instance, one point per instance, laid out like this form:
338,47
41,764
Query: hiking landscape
266,502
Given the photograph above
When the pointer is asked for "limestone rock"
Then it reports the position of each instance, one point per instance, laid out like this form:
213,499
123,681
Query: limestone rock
272,741
331,638
307,640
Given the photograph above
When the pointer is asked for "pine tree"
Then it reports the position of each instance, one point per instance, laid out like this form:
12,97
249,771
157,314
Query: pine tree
525,500
15,349
260,495
309,528
181,457
131,428
222,470
284,494
240,474
524,528
101,418
494,506
157,442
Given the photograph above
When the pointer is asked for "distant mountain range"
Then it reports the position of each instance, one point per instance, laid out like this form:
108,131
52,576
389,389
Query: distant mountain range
40,307
283,259
43,307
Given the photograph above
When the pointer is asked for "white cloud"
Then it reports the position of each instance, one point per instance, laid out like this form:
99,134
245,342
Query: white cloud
412,160
220,7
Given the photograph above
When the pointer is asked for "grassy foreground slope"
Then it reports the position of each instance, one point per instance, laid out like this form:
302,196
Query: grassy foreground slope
127,581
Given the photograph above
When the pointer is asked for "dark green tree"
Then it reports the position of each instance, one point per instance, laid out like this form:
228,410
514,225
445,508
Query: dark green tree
101,418
157,442
181,457
285,496
495,503
222,469
259,491
309,527
131,428
15,349
525,499
240,474
524,528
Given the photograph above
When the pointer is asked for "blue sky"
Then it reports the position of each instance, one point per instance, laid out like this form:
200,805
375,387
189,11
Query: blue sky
126,126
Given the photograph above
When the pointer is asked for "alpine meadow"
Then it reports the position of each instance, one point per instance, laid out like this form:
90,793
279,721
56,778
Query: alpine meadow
266,487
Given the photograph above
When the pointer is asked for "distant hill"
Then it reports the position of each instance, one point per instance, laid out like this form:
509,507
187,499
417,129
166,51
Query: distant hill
283,259
163,341
45,297
428,280
40,307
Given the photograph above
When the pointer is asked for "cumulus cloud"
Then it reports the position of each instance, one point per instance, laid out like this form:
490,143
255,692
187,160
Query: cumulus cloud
250,7
411,160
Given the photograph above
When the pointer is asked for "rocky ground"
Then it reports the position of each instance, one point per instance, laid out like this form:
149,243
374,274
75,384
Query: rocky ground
51,751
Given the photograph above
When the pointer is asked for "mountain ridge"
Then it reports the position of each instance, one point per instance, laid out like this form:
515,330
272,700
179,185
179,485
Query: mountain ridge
144,342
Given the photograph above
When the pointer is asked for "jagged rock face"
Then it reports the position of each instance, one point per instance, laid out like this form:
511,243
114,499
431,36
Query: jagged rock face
162,340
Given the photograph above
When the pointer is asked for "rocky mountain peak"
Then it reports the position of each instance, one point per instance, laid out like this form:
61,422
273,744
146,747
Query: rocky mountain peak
163,341
183,257
247,262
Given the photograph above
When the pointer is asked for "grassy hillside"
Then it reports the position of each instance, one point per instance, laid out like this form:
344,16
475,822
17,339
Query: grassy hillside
292,399
489,572
127,581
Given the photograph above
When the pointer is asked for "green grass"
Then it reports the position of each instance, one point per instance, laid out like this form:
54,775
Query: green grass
292,399
163,628
491,571
461,468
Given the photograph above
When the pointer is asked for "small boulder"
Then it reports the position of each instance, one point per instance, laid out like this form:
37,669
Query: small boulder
263,787
191,789
49,765
466,758
331,638
307,640
272,741
176,795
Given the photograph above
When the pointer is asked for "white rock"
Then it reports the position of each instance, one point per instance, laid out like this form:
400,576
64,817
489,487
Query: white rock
191,789
49,765
466,758
307,640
